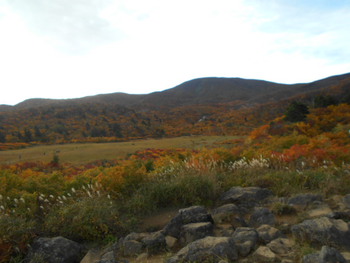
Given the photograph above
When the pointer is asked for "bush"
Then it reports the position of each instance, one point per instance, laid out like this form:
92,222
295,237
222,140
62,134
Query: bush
85,219
283,209
15,233
183,190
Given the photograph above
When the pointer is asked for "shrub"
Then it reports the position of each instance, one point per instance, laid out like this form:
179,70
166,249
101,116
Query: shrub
85,219
15,233
283,209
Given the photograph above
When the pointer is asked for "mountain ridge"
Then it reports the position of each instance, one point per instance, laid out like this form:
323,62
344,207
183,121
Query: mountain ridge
209,90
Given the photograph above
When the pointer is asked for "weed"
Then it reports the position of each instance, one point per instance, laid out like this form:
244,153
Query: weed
283,209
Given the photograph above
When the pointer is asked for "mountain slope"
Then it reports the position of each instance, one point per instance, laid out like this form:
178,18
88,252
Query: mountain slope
197,91
213,91
205,106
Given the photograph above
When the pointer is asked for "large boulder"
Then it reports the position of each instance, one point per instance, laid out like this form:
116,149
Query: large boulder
208,249
264,255
245,239
55,250
326,255
246,196
262,216
193,214
303,200
194,231
131,248
100,256
268,233
136,243
154,242
324,231
346,200
282,246
228,213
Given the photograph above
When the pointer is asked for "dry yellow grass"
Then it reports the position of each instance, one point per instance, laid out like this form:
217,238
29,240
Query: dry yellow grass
83,153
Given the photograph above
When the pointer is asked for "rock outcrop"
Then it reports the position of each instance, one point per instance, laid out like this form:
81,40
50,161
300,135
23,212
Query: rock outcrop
55,250
323,230
243,229
326,255
246,196
211,249
194,214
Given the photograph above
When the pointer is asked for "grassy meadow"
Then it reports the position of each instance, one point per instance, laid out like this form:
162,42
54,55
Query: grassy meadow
78,153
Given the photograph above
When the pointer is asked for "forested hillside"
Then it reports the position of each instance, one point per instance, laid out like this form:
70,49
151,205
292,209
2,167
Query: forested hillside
210,106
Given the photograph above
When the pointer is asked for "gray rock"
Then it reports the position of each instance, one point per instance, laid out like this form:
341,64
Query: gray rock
311,258
107,258
154,242
135,236
194,231
142,257
324,231
91,256
107,261
346,255
170,241
304,200
345,215
226,214
246,196
132,248
326,255
346,200
208,248
136,243
322,210
268,233
264,255
245,239
281,246
262,216
331,255
193,214
223,230
227,209
55,250
107,255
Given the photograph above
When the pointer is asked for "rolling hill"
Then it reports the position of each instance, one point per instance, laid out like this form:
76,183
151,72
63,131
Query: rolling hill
201,106
197,91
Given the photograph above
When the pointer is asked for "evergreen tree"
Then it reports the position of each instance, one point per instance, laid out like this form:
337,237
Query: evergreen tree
116,130
27,135
324,101
37,133
296,112
2,137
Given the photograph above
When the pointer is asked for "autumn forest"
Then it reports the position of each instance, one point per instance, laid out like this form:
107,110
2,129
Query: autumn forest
290,139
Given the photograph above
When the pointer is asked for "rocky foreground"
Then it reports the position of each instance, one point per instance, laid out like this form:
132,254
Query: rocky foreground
250,225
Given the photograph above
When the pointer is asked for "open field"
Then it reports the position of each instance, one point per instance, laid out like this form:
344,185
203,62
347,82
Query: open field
83,153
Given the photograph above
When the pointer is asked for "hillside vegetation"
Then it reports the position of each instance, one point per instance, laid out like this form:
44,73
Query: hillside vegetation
103,200
209,106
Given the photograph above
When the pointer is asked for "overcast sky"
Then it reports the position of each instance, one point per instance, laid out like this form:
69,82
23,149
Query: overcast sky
75,48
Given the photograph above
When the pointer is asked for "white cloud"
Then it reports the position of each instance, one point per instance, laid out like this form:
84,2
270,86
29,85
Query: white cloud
73,26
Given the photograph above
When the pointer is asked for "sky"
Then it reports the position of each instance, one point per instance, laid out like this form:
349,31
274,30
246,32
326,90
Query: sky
75,48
